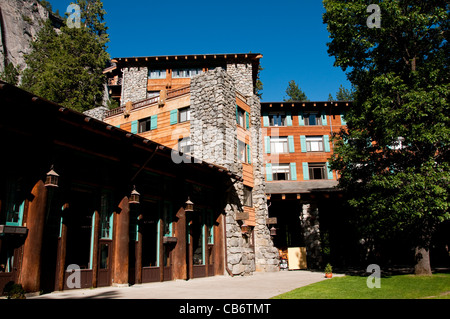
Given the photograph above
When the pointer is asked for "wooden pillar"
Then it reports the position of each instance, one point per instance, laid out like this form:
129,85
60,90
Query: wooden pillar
121,244
61,255
95,229
161,248
31,264
138,262
179,252
219,246
191,250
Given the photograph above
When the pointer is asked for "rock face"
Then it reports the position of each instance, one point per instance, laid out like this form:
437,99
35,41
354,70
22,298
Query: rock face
20,22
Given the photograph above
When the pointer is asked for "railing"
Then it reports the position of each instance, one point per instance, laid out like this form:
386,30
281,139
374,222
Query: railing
177,92
155,99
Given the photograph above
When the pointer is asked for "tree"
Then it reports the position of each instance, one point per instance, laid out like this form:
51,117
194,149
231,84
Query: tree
66,68
10,74
393,158
344,94
259,85
294,93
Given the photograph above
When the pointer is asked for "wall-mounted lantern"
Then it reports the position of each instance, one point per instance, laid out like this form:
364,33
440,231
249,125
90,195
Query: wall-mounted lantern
134,196
273,231
189,206
52,179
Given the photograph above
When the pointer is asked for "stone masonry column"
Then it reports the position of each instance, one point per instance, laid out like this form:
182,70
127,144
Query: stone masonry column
134,87
309,218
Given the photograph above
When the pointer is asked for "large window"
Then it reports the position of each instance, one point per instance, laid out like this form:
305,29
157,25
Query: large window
281,172
248,200
314,143
313,119
184,145
184,114
277,119
317,170
279,144
241,151
157,74
241,117
186,73
144,125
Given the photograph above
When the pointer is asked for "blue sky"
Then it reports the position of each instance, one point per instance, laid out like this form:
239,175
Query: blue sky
289,33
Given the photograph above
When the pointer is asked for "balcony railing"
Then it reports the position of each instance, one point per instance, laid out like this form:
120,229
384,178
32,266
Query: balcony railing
153,100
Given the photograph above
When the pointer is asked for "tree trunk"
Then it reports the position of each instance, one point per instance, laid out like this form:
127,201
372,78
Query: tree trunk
422,257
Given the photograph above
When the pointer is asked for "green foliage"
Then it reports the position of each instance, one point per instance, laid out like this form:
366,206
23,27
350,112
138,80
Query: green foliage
259,84
67,67
344,94
328,269
294,93
10,74
355,287
401,75
14,291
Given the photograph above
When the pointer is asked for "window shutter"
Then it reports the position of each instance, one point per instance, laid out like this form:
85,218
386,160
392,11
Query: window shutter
293,172
173,117
265,119
267,144
118,126
324,118
305,171
134,127
249,157
330,172
326,143
269,172
288,118
247,120
303,143
343,122
291,144
237,115
301,119
154,122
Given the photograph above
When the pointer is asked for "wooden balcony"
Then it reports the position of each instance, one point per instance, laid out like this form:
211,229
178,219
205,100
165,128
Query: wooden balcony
153,100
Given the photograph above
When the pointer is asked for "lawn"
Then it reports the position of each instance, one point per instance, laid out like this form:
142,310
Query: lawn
393,287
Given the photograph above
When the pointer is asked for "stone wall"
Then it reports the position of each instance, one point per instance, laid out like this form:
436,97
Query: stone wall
309,218
267,257
97,113
242,73
134,87
214,139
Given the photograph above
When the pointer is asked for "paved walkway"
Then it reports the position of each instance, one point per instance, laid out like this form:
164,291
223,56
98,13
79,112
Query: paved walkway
257,286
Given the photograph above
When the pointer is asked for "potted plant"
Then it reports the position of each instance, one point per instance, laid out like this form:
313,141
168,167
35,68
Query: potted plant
328,271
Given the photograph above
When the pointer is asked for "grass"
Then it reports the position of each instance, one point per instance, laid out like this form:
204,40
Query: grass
394,287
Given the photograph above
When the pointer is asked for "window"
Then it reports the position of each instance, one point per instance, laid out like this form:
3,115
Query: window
184,145
280,172
241,151
312,119
317,170
151,94
314,144
278,144
186,73
240,117
277,119
144,125
248,200
14,205
184,114
157,74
